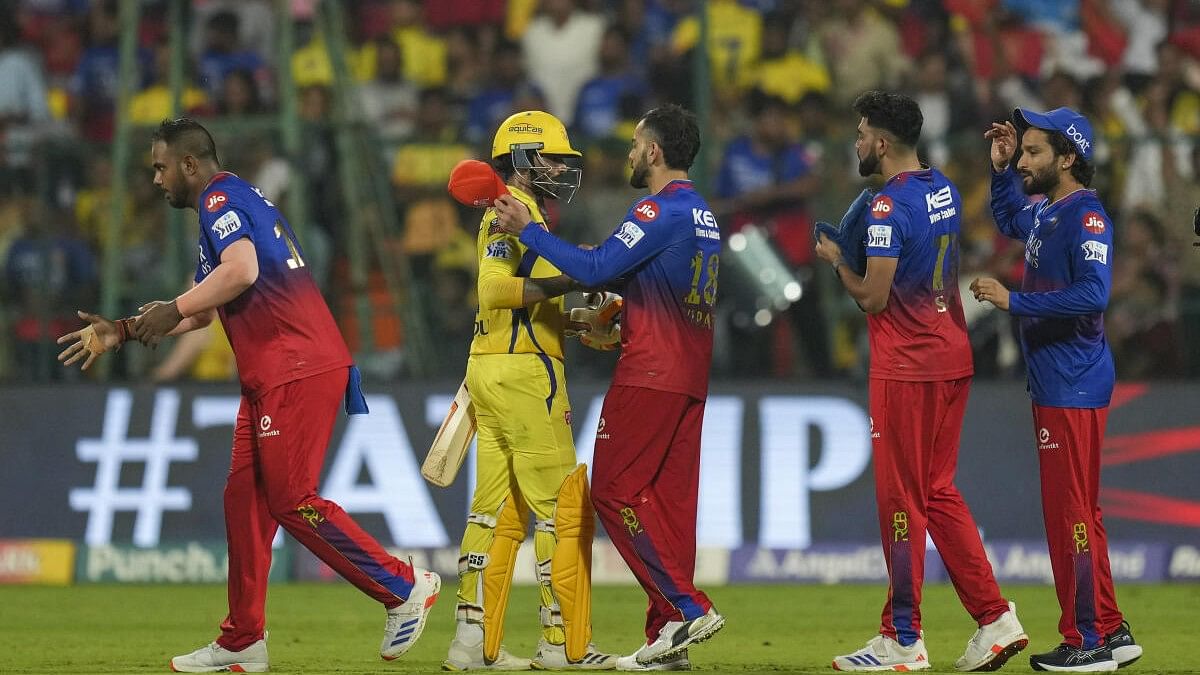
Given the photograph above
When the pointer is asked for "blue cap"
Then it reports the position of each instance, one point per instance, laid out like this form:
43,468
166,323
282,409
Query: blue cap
1073,125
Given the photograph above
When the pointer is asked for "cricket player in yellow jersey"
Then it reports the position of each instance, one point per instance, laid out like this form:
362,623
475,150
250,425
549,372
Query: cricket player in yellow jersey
525,457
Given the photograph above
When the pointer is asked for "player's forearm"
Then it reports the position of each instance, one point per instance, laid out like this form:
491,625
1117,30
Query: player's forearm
226,282
1008,205
591,267
868,300
194,322
1086,296
544,288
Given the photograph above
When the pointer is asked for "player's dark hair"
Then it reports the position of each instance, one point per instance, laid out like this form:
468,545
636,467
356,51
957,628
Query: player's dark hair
896,114
187,136
1082,170
503,165
676,131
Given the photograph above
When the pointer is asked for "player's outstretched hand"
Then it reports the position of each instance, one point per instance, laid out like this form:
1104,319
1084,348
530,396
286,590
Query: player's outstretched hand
1004,143
99,336
990,290
513,214
156,321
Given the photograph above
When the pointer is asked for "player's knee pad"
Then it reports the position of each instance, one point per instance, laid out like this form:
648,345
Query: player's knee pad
571,565
497,576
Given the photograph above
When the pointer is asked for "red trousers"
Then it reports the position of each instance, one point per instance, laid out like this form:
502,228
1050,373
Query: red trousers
279,447
1069,441
645,481
915,429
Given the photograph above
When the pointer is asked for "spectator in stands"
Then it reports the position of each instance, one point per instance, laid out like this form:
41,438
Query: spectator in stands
785,72
734,43
765,179
506,82
94,84
224,54
152,104
863,50
617,95
256,21
562,52
239,94
23,105
389,101
423,52
49,272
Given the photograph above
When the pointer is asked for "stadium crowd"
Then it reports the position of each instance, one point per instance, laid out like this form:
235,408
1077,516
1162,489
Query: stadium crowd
434,78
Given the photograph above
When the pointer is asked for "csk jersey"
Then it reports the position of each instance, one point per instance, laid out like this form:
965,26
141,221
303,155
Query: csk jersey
664,259
921,336
1068,276
280,328
534,329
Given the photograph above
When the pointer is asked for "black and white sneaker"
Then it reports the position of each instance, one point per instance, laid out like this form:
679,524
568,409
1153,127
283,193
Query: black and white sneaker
1068,659
1124,650
676,636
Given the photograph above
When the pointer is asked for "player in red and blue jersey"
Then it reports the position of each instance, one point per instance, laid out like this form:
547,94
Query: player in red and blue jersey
664,258
920,376
295,371
1068,256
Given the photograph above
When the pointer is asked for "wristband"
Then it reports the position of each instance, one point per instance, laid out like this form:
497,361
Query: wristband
125,328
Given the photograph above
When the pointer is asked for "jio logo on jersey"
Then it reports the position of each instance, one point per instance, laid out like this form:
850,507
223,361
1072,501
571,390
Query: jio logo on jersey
882,207
215,202
647,211
1092,222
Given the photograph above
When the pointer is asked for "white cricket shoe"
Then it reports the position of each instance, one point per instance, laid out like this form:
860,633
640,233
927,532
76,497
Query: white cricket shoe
884,653
994,644
554,657
464,655
680,662
676,636
213,658
406,621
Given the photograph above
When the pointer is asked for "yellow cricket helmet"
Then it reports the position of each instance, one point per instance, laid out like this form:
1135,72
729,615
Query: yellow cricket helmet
531,135
533,127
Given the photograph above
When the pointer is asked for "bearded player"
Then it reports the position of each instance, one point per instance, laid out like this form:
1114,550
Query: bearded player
664,259
920,376
1068,256
295,371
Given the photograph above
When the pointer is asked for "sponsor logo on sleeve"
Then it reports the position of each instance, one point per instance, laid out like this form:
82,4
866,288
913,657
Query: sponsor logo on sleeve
1093,222
494,226
938,200
647,211
630,234
215,201
1095,250
227,225
879,236
882,207
498,249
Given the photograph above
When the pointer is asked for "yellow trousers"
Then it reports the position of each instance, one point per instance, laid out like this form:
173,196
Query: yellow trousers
524,448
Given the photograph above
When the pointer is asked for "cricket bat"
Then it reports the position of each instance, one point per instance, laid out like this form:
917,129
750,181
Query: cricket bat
449,447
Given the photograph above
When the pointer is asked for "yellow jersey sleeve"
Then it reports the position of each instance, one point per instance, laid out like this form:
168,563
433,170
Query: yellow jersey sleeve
502,326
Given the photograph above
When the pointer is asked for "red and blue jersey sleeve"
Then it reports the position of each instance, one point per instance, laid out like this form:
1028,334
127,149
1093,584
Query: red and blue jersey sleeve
641,236
887,226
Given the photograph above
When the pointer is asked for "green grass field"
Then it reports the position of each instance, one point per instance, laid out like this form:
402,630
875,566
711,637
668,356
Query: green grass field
329,628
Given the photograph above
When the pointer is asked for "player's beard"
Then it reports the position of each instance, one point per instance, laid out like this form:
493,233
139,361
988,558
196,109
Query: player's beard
869,165
640,178
1040,182
178,198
